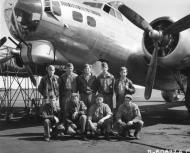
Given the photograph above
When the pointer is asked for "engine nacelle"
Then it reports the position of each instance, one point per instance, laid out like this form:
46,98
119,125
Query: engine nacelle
38,52
173,48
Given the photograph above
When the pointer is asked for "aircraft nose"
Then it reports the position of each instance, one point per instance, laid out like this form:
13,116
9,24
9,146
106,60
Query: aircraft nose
28,14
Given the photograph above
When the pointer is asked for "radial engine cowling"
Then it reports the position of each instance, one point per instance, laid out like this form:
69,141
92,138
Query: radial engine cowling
173,48
38,52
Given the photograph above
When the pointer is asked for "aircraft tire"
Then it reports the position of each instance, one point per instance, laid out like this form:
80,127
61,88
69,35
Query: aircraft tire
187,99
170,95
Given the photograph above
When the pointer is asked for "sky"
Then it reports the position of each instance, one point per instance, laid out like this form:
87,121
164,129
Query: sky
149,9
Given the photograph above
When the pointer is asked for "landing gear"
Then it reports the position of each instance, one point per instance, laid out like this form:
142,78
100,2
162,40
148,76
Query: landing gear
170,95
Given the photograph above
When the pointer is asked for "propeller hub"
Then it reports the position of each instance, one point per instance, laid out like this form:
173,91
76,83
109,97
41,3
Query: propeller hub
156,35
166,42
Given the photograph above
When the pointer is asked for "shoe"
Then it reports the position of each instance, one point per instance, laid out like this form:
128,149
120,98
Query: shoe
84,138
130,135
47,139
123,134
107,136
137,136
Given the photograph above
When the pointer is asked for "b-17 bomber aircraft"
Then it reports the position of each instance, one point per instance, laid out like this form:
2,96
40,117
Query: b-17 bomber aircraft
157,54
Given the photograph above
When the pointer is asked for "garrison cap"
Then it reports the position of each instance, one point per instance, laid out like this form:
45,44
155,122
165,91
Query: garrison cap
129,96
69,65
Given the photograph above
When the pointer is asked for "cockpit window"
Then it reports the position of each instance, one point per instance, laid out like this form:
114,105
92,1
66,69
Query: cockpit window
118,15
96,5
77,16
109,10
56,8
112,12
91,21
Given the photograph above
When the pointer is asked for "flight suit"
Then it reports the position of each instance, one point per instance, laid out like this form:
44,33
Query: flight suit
87,89
67,86
123,87
105,86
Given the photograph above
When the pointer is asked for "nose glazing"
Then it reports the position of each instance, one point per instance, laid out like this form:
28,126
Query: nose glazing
28,14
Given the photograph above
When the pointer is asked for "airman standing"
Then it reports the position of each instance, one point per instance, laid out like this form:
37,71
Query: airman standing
86,86
105,85
67,86
123,86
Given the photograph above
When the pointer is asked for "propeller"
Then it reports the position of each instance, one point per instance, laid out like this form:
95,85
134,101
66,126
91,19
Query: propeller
159,37
28,68
2,41
178,26
151,74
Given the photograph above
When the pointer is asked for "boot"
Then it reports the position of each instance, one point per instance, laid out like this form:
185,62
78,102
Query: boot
137,134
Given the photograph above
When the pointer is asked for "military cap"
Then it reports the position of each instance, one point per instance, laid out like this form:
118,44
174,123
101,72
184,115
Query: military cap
69,65
129,96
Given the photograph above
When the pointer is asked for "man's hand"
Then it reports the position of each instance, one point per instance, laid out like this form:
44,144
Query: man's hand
101,121
130,123
81,113
94,127
75,115
123,124
56,119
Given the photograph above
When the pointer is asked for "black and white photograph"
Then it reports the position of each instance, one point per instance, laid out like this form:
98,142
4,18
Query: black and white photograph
94,76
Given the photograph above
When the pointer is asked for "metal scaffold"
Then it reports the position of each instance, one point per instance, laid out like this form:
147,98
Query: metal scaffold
18,96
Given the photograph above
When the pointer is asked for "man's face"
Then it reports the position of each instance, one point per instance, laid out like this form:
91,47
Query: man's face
51,72
123,73
99,100
127,100
75,99
87,70
105,68
53,104
70,69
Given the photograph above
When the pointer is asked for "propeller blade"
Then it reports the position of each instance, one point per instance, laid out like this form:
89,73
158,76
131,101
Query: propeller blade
151,74
178,26
135,18
33,80
2,41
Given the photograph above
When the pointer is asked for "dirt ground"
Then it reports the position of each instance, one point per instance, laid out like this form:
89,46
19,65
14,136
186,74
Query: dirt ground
167,127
